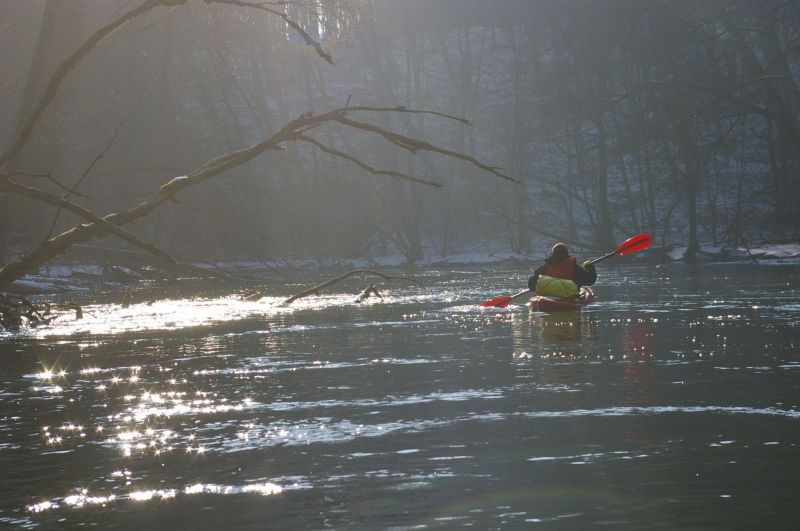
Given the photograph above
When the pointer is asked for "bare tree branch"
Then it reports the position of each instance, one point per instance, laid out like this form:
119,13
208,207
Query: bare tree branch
402,108
61,72
291,23
360,164
288,133
10,187
413,145
34,193
89,44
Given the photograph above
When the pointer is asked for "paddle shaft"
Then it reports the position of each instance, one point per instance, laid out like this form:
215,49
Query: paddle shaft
518,295
631,245
604,257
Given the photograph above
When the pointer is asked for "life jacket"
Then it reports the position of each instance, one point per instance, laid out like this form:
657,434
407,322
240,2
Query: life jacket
564,269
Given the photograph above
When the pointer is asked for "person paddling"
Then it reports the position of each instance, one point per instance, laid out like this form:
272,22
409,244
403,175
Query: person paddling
560,265
559,262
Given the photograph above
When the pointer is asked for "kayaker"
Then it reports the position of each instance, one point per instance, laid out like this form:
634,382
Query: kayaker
559,264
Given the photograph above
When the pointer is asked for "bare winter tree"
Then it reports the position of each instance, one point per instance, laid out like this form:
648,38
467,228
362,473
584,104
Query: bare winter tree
300,129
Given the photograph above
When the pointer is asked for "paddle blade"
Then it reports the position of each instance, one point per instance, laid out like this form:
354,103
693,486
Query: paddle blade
497,302
634,243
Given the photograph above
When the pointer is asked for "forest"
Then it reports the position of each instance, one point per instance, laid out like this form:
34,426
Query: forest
399,264
681,118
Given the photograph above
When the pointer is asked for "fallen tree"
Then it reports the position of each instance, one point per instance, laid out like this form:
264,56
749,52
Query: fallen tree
295,130
299,129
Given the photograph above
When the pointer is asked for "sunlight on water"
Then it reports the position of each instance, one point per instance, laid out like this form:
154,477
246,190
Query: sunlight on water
182,313
136,423
83,498
176,314
162,315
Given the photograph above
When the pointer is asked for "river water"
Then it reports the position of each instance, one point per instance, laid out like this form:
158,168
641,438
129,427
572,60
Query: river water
670,402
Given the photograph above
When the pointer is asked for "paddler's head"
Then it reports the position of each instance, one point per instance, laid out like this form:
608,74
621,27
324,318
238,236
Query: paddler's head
559,253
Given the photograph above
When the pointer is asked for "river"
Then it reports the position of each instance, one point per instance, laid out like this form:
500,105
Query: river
670,402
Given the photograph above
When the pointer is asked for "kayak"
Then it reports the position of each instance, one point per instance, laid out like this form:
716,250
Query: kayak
540,303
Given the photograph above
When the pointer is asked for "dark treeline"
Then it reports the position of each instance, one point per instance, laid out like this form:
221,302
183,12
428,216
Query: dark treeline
681,118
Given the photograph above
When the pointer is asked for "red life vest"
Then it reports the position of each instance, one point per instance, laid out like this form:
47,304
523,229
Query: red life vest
564,269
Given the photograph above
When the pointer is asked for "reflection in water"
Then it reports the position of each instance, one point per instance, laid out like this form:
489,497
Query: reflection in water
638,372
568,326
694,276
639,376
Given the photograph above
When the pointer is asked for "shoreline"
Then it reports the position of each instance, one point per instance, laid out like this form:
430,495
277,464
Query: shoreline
76,279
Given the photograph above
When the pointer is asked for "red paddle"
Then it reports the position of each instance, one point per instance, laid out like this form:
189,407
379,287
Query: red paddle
631,245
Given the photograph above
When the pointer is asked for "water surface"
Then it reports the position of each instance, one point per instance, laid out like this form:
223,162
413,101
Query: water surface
671,402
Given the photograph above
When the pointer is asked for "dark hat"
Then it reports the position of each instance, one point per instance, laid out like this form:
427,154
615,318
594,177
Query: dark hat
559,251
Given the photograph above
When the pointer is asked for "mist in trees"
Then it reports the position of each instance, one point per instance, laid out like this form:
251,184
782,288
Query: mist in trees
678,118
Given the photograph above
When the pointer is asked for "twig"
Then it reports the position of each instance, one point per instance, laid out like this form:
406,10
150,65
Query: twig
402,108
44,176
74,189
291,23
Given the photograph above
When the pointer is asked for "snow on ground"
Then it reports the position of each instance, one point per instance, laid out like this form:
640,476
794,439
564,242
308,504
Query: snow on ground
677,253
784,250
31,285
63,271
779,251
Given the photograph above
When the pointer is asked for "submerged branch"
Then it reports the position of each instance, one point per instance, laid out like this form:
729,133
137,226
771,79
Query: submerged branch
316,289
14,307
367,293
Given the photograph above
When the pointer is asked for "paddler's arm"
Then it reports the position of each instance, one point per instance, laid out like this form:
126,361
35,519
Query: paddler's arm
532,279
585,276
